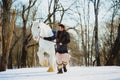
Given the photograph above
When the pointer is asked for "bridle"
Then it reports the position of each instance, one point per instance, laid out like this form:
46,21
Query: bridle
39,33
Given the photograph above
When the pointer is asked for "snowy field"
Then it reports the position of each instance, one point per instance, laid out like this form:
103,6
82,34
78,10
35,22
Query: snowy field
74,73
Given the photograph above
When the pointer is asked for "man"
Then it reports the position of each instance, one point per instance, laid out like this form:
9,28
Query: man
62,38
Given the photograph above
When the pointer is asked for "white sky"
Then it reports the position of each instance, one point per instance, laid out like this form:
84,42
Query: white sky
24,1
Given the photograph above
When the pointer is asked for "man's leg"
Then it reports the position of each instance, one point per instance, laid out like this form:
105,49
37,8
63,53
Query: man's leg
64,66
59,67
65,61
59,63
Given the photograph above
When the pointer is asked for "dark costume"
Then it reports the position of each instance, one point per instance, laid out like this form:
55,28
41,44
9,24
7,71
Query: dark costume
61,37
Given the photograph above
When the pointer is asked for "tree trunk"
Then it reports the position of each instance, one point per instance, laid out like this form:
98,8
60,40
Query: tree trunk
24,52
115,51
25,20
54,15
12,23
5,34
96,7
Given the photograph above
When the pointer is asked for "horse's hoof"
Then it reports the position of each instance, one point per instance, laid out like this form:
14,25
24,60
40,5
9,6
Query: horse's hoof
50,69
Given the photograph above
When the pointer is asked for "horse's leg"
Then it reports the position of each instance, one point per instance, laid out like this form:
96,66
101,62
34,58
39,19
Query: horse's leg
41,56
52,60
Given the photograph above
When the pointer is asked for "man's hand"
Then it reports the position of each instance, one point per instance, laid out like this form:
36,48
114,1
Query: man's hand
54,41
60,43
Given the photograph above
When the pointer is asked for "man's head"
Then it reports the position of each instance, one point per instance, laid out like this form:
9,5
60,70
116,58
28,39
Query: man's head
61,27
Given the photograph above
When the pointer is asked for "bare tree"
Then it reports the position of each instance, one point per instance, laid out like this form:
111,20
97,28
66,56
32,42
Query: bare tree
96,11
25,20
115,51
115,12
58,8
7,33
54,8
83,22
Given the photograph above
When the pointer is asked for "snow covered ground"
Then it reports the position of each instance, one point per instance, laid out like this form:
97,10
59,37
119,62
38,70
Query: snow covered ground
74,73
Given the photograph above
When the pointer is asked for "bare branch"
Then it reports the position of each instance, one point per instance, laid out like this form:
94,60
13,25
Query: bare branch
31,4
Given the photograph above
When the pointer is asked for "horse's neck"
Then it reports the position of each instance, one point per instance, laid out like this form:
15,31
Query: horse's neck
46,31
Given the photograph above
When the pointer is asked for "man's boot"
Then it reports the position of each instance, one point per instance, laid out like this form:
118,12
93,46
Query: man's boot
60,66
60,71
64,68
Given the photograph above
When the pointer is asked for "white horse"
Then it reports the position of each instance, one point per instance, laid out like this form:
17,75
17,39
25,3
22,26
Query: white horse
40,29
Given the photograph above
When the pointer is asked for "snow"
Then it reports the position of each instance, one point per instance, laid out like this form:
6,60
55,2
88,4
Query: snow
74,73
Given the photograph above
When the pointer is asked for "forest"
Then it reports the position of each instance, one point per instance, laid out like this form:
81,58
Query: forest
94,27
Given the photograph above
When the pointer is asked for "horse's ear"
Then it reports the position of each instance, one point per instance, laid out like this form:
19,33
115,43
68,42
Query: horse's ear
32,22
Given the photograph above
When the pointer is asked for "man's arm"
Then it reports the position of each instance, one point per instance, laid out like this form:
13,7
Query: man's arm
67,40
49,38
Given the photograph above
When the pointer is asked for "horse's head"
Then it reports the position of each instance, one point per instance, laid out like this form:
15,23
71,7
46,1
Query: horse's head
36,30
40,29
